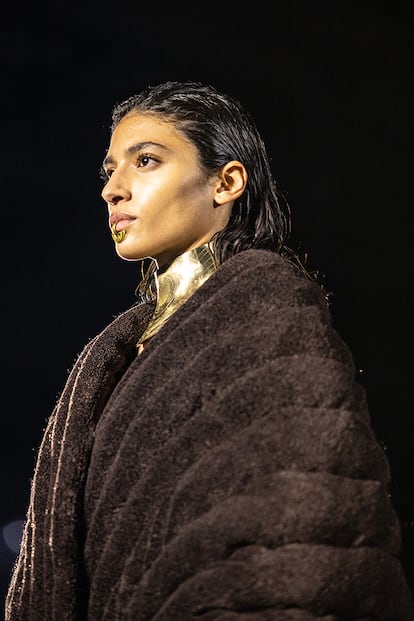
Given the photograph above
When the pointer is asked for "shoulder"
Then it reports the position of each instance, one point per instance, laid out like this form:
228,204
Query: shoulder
269,264
271,276
255,258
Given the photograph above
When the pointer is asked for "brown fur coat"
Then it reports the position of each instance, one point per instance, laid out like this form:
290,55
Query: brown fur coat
230,472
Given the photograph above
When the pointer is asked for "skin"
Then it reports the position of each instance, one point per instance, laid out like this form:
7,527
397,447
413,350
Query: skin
158,193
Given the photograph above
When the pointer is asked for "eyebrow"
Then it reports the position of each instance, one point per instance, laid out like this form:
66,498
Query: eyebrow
133,149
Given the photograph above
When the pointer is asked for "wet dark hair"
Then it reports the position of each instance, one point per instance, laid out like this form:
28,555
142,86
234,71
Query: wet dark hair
222,130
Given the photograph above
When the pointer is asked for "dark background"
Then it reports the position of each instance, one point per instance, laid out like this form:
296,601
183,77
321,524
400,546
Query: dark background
330,86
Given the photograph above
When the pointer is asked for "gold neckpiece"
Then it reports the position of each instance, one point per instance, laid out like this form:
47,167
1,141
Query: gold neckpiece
173,286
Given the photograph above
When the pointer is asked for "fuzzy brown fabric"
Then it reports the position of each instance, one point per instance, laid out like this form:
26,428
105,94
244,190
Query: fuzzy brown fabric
230,472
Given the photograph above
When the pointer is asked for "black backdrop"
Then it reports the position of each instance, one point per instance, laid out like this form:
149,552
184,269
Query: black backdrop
330,86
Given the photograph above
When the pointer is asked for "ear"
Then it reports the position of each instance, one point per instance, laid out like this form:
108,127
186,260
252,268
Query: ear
231,183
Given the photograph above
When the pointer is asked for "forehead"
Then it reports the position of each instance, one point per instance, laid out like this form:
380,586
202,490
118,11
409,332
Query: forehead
146,128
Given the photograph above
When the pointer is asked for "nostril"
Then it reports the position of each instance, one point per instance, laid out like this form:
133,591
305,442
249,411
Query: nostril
113,193
109,197
114,199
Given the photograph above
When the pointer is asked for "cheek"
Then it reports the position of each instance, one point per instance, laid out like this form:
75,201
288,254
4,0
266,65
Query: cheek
184,183
193,198
171,198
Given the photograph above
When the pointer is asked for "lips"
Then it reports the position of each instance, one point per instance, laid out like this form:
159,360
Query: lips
121,219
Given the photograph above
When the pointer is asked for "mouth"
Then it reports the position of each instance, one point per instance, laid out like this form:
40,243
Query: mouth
120,221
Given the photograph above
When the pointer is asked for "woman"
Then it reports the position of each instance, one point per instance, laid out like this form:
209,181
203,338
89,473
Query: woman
211,454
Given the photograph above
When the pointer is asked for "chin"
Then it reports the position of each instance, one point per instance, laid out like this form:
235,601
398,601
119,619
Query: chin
126,255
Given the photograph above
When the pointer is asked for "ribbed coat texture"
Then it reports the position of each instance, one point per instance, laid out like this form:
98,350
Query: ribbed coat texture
230,472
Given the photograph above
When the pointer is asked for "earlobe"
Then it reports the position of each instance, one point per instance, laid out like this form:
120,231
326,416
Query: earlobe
231,182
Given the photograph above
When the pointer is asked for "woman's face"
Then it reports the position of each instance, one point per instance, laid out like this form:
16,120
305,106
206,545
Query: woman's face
156,191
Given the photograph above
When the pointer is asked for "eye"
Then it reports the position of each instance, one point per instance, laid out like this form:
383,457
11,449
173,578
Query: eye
105,173
144,160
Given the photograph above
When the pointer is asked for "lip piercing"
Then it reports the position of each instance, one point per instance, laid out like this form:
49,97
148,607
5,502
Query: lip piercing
117,236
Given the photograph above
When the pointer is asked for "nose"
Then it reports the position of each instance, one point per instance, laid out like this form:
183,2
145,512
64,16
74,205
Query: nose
115,191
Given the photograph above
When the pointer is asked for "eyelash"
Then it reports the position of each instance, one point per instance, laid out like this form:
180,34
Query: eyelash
105,175
143,156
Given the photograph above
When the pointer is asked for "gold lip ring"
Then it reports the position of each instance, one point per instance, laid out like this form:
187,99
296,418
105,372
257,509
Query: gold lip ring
117,236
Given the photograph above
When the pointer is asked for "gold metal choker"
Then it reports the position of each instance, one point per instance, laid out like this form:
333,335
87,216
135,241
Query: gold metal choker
173,286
